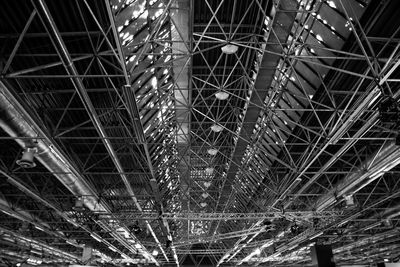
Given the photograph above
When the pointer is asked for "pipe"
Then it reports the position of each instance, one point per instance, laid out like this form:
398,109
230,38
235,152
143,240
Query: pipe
370,123
51,28
18,123
14,181
31,243
388,212
28,255
30,218
373,167
62,51
367,240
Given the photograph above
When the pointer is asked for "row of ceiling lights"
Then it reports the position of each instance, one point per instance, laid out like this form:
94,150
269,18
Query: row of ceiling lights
27,159
222,95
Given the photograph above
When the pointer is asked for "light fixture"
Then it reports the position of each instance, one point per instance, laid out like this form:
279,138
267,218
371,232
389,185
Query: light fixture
229,49
27,158
78,205
349,201
216,128
212,151
207,184
204,195
155,253
203,204
221,95
209,170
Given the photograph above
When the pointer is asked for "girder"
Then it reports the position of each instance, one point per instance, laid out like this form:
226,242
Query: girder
199,132
217,216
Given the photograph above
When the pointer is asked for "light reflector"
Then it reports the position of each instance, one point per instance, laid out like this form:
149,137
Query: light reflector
212,151
209,170
221,95
216,128
229,49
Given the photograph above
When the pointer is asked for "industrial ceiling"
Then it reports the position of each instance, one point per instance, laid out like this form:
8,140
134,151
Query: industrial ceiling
199,132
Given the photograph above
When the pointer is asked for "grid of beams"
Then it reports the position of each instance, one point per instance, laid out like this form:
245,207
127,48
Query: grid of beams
153,145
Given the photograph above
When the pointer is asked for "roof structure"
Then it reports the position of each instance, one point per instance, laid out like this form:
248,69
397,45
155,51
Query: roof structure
199,132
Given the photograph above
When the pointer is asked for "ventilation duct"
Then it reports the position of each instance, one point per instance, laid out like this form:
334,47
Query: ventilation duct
17,122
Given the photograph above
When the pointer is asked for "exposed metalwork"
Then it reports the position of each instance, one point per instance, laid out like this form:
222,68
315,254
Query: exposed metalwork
199,132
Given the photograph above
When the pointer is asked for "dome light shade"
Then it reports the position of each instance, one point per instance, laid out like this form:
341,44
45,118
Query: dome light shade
221,95
216,128
349,199
203,204
229,49
27,158
204,195
207,184
79,205
212,151
209,170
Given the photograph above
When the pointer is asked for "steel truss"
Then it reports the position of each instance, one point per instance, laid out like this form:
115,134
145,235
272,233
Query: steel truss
300,131
222,216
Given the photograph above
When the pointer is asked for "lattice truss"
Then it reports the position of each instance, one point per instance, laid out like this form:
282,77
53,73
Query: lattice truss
154,144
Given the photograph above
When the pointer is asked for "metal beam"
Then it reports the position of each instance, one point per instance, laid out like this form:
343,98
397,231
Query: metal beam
59,44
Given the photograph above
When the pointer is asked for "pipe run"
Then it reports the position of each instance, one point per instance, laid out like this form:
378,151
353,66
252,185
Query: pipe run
17,122
18,213
371,169
31,193
34,244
